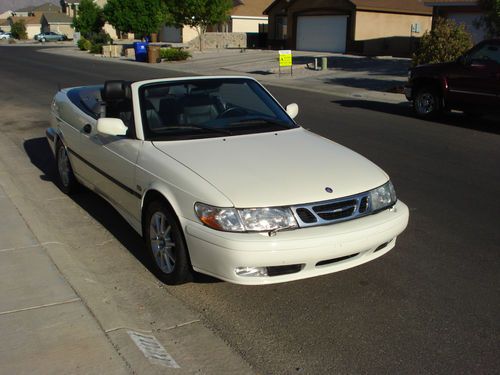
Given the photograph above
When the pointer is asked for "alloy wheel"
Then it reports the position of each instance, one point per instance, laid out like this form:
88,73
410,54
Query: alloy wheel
162,242
63,166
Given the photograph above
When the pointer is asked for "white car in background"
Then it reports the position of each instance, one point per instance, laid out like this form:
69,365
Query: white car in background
5,35
219,179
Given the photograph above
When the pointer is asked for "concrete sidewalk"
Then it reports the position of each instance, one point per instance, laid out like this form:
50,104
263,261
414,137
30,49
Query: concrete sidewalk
351,76
46,327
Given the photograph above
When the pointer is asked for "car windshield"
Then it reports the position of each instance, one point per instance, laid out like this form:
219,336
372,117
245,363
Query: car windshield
206,108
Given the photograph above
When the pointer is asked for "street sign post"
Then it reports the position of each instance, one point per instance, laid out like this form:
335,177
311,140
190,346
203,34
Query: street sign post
285,57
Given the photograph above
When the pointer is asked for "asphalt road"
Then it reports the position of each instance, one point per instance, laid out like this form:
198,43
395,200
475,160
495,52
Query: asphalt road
431,305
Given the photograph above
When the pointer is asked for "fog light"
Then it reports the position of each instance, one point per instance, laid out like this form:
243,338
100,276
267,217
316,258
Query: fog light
251,271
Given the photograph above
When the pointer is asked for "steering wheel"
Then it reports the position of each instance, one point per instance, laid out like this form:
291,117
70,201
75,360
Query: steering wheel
233,112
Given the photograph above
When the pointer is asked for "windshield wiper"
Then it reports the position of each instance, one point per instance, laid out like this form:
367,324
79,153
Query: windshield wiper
279,123
213,130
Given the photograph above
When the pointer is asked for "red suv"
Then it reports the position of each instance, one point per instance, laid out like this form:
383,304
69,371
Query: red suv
470,84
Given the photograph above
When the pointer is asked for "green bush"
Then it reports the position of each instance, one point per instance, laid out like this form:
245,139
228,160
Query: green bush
446,42
174,54
96,48
18,30
100,38
84,44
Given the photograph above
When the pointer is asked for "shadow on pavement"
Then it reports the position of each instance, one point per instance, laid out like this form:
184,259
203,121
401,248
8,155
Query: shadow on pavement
38,150
373,66
373,84
488,124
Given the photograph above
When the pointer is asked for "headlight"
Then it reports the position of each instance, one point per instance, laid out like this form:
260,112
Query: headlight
409,74
267,219
226,219
246,219
383,196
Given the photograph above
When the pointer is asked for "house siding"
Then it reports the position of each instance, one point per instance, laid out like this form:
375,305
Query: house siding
369,32
382,33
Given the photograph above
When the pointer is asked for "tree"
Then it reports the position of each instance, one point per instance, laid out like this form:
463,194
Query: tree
18,30
141,17
198,14
90,18
490,21
446,42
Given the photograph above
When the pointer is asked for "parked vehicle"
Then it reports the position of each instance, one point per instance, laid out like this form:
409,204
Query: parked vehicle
471,83
50,37
5,36
219,179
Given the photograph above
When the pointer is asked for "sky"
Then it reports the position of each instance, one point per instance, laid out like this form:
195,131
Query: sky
17,4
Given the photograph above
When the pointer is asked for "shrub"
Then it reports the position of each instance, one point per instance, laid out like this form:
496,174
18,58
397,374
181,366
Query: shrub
174,54
446,42
84,44
96,48
18,30
100,38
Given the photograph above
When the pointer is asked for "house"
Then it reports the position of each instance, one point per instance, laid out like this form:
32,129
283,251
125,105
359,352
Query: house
32,23
23,12
57,22
466,12
368,27
5,25
245,17
6,14
31,10
70,8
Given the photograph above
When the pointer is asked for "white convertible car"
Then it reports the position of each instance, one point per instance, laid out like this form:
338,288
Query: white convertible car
219,179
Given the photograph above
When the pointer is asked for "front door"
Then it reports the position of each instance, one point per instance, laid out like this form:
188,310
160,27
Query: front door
111,162
474,83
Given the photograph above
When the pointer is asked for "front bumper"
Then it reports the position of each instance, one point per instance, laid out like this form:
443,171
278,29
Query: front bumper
51,136
335,247
408,93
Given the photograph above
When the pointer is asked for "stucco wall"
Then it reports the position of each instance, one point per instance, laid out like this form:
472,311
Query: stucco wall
63,29
188,34
388,33
108,28
372,25
247,25
220,40
32,30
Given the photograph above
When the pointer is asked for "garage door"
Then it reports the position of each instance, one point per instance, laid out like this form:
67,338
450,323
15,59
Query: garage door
321,33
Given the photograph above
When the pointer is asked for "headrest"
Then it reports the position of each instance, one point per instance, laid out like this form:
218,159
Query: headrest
115,91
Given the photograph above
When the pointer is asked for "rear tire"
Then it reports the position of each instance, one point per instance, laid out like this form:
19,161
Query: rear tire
428,102
66,178
166,245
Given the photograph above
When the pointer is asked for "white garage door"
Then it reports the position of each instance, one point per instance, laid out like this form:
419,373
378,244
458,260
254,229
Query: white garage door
321,33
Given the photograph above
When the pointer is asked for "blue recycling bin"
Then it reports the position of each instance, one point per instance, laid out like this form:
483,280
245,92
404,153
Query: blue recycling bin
141,51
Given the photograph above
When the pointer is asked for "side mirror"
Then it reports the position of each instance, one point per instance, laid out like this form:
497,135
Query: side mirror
111,126
292,110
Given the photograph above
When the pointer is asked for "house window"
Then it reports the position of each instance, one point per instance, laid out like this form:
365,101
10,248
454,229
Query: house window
281,27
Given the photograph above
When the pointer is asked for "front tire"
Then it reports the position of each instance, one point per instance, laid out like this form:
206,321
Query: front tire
166,245
427,103
66,177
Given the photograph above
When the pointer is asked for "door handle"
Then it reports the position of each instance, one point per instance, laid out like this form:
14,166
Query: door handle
87,129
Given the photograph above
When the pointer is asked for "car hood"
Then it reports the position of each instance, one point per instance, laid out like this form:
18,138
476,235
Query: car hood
276,169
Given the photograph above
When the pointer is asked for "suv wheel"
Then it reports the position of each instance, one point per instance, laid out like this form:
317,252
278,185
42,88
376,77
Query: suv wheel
427,102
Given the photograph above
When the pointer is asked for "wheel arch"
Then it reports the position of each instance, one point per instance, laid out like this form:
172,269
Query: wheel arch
159,193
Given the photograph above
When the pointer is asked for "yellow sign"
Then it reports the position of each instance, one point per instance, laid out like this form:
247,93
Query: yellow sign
285,58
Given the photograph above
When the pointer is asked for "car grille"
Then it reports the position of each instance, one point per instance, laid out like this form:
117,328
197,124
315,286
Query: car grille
333,211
